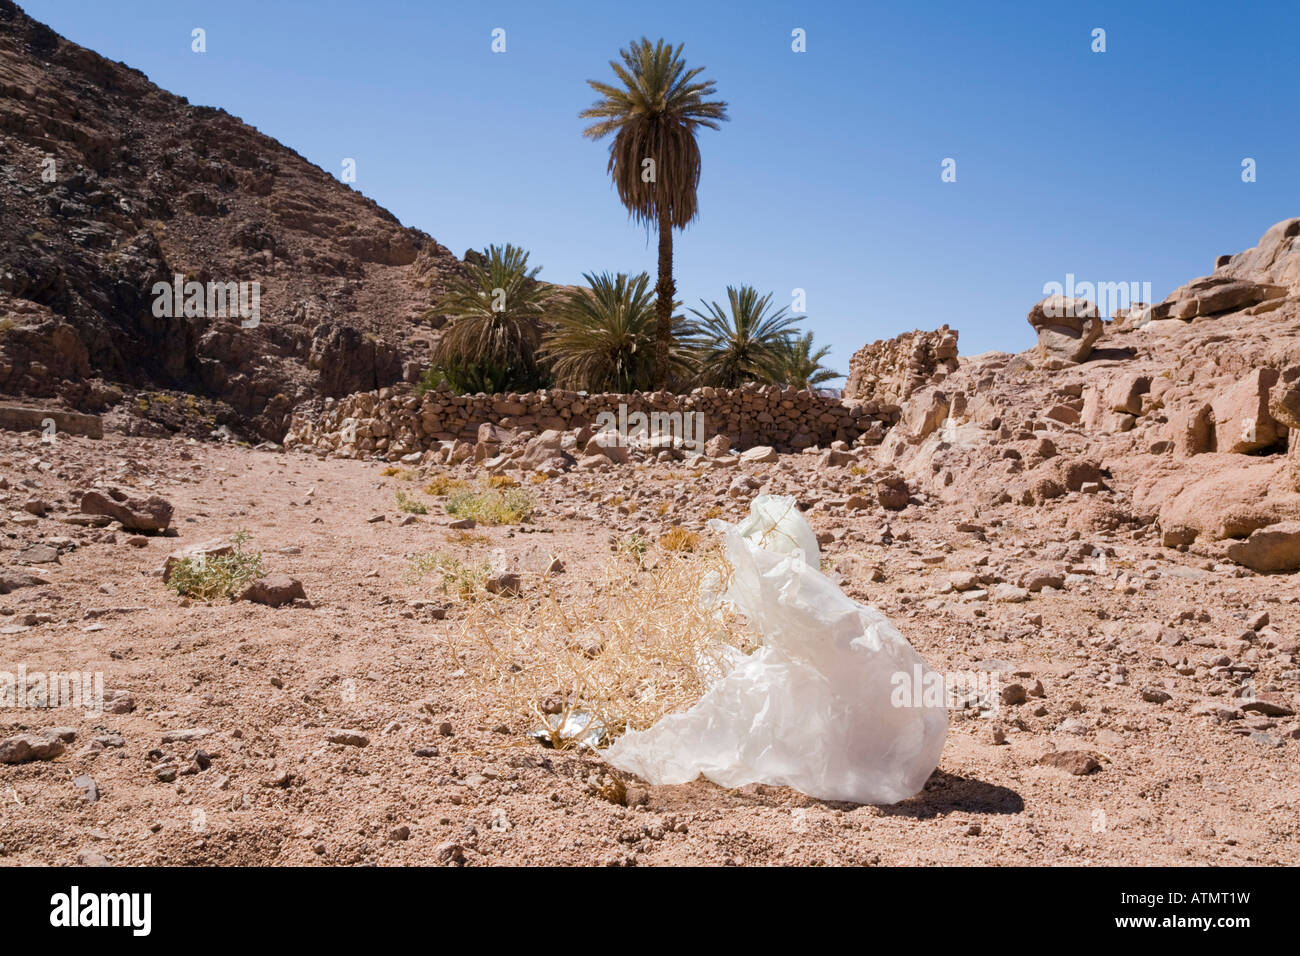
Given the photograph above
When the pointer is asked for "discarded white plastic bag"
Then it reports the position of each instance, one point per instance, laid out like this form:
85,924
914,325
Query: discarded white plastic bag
814,707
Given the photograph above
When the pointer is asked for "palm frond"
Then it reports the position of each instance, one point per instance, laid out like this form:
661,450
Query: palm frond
741,343
603,337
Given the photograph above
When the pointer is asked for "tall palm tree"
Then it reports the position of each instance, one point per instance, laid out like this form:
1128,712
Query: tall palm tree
654,111
493,327
798,365
602,337
742,344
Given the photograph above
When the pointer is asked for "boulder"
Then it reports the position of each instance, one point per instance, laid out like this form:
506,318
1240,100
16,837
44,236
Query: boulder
151,514
1066,327
1275,547
924,413
759,454
274,590
1284,406
717,446
11,579
546,451
834,458
608,445
1220,496
1275,260
1215,295
24,747
892,492
1192,429
1242,421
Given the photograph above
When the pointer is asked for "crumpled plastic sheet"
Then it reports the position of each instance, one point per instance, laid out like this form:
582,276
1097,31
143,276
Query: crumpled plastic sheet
813,707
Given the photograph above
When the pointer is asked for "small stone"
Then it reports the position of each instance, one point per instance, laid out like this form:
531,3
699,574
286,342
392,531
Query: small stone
1010,593
1269,706
39,554
1077,762
349,738
184,736
87,784
506,584
24,747
118,702
274,590
449,853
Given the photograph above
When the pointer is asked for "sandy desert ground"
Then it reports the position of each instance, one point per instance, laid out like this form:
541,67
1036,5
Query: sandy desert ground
1185,775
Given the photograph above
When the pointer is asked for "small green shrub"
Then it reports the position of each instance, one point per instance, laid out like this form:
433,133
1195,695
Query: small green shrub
458,578
411,505
208,578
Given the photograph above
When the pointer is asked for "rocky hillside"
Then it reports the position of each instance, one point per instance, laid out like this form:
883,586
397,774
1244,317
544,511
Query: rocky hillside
1175,420
109,185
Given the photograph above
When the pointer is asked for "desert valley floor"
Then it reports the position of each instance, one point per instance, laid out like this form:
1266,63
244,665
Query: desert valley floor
1125,667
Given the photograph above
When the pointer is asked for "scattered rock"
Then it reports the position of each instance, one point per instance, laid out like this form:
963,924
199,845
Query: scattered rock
151,514
24,747
274,590
1077,762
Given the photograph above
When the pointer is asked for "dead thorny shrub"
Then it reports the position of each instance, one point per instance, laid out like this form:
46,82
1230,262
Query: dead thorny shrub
623,653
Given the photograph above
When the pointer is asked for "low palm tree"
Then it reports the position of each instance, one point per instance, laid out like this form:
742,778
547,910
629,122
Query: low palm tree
654,110
602,338
742,344
493,329
798,365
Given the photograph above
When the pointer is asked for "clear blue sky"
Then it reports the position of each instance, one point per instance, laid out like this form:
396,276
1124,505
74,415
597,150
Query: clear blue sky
1118,166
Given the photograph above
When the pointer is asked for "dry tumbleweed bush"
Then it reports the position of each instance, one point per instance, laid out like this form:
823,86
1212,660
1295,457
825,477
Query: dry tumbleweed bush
642,644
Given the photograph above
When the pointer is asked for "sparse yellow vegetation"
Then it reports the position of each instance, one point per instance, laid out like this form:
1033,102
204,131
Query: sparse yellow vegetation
403,474
488,505
679,539
444,484
468,539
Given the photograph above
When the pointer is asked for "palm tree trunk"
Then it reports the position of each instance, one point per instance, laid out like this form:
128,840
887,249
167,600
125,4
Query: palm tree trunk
664,306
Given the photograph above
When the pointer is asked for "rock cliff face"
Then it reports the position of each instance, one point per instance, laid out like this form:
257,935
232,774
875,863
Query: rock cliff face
109,185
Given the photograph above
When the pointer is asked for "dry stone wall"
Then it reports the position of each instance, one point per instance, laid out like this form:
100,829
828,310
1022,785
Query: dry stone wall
397,421
890,370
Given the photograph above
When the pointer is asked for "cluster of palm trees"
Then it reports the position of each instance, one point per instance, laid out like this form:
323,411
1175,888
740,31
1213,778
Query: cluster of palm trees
507,332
